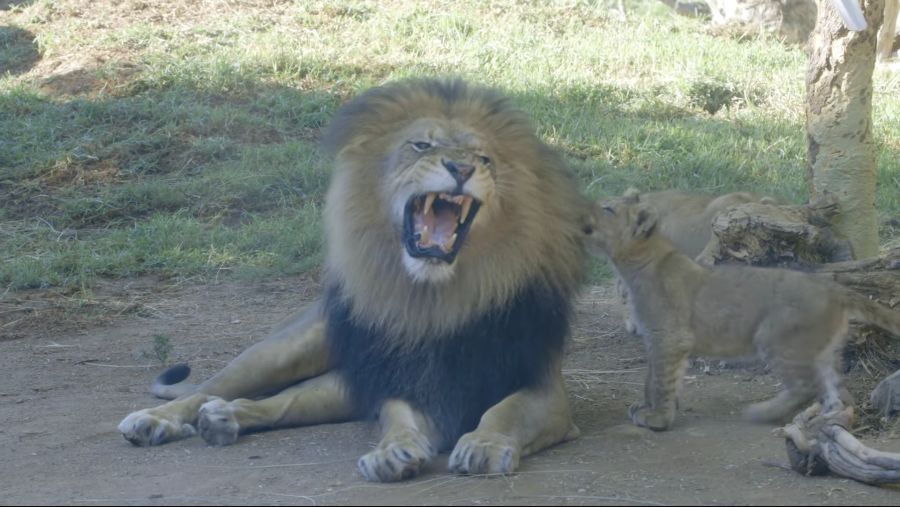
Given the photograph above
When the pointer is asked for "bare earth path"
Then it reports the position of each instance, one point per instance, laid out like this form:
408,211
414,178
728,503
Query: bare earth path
65,387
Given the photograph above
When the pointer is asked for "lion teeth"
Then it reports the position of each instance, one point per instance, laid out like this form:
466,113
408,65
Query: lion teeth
448,246
464,213
425,236
429,200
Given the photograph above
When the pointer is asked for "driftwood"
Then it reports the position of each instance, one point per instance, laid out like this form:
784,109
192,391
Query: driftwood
818,443
769,234
800,237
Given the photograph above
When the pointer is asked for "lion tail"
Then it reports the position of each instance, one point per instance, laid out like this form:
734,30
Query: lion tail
874,313
171,384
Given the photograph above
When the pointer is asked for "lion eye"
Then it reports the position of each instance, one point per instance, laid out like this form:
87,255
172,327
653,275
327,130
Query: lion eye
422,146
484,159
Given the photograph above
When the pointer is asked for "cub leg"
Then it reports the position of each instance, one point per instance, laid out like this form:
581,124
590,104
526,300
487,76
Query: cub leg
523,423
408,441
806,371
318,400
786,404
294,352
666,366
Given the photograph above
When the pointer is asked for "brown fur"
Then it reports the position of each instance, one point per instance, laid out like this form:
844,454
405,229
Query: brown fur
796,321
527,230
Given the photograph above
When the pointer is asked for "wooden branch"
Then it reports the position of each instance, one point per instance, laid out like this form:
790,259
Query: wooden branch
818,443
769,234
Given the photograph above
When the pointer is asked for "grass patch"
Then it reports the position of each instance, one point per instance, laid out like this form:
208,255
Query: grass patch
180,137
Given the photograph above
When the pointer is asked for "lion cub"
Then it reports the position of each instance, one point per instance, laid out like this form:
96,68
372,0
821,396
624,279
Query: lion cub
795,321
685,219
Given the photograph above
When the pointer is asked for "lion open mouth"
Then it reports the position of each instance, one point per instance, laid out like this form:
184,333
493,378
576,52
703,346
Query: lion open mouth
436,224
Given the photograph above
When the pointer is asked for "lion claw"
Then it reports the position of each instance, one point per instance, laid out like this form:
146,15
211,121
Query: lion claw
397,457
143,429
217,423
486,453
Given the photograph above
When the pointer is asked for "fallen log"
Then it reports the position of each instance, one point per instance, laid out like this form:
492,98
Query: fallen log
818,443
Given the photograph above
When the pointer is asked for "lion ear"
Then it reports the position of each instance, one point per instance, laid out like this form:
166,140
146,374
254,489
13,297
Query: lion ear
645,221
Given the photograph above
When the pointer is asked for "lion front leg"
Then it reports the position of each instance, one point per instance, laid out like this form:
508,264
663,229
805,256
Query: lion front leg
318,400
294,352
408,441
523,423
155,426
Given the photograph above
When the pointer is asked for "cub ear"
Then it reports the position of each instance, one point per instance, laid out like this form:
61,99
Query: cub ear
632,195
645,220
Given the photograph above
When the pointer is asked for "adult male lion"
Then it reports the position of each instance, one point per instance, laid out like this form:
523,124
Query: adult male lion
453,253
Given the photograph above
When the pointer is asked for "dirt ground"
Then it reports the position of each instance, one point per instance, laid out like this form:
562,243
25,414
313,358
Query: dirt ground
66,386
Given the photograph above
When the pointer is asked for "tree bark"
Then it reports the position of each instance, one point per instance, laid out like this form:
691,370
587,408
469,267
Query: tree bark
841,148
888,32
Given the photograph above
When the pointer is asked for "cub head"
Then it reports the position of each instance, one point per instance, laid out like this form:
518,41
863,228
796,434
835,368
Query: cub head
616,225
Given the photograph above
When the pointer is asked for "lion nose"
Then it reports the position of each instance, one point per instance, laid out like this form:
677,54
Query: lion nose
460,172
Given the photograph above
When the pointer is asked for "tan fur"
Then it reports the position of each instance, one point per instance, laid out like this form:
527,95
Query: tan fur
528,228
794,320
685,219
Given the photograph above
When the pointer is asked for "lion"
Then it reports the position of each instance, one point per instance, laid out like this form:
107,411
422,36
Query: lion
453,255
685,219
796,321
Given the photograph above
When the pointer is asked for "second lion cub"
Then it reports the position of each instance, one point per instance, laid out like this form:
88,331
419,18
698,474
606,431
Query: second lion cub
795,321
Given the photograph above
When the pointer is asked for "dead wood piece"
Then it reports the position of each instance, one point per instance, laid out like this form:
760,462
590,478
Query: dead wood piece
818,442
878,277
769,234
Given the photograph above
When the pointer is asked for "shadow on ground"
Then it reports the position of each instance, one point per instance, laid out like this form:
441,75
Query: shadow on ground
6,5
18,52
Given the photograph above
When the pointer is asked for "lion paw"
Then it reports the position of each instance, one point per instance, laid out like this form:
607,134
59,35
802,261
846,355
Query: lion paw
217,423
397,457
646,417
144,428
485,453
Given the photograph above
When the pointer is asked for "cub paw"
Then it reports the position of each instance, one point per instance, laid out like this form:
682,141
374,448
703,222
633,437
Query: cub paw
397,457
647,417
145,428
217,423
485,453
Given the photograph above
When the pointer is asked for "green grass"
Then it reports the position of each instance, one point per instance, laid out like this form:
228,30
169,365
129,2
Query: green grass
179,137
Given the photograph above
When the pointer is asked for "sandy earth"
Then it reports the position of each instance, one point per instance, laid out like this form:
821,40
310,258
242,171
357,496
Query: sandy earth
66,387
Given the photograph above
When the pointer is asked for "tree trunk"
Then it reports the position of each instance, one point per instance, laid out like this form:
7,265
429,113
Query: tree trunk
888,33
841,149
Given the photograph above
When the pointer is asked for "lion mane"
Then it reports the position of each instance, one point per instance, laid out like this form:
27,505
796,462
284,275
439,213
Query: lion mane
451,337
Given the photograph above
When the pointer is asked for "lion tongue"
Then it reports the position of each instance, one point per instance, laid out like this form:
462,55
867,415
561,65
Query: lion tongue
436,226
